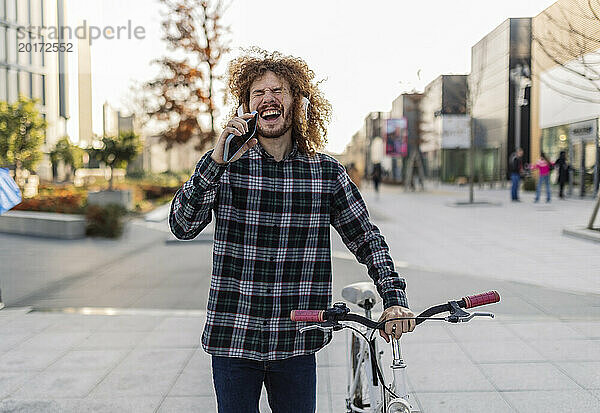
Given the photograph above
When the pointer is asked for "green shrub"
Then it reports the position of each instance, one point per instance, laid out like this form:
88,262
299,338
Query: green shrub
105,221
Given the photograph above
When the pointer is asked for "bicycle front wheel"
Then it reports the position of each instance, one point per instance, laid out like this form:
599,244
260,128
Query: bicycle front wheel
360,397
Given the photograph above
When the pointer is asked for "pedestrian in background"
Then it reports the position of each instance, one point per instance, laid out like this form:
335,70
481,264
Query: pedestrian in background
376,177
544,166
563,169
517,170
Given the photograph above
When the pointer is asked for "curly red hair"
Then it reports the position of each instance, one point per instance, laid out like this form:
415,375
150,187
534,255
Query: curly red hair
244,70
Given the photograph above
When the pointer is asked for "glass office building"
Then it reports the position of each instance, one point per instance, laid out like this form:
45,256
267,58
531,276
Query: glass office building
32,73
493,96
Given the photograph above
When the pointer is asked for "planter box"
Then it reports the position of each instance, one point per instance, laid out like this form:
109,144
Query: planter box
43,224
102,198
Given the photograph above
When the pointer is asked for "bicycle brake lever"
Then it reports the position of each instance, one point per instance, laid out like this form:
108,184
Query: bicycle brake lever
315,327
470,317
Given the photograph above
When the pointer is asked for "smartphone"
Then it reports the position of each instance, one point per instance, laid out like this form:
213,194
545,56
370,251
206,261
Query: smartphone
234,143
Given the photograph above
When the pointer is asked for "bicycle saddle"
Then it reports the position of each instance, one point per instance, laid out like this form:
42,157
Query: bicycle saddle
359,293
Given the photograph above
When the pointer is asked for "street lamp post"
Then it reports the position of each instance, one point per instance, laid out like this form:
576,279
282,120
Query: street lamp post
521,78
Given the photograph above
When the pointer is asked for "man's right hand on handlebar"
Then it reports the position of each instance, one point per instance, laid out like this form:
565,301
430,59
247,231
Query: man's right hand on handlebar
237,126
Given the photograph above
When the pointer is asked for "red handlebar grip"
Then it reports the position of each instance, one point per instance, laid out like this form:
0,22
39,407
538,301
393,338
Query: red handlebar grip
482,299
307,315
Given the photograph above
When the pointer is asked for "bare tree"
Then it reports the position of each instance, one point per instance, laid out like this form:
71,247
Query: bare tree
571,40
184,91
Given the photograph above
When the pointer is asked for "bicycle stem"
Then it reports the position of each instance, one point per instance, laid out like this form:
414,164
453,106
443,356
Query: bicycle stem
398,369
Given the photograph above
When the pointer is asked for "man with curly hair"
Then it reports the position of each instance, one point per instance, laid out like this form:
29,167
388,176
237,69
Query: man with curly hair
274,204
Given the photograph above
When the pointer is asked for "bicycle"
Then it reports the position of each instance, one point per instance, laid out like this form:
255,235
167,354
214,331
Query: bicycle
367,391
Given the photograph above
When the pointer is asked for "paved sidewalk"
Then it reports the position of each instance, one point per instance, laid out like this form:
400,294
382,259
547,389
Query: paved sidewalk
514,241
150,360
541,352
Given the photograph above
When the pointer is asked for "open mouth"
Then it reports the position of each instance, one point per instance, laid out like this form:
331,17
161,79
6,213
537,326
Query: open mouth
270,114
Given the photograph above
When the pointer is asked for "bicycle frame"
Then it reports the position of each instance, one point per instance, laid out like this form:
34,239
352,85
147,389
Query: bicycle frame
376,392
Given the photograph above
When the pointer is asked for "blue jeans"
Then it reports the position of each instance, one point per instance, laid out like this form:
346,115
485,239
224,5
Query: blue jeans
291,384
514,190
544,180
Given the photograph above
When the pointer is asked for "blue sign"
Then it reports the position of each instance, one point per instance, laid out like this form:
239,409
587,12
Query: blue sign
10,195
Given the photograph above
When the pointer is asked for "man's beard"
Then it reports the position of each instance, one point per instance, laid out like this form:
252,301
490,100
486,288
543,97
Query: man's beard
276,133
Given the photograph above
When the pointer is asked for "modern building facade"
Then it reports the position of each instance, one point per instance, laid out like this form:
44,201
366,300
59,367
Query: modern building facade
445,128
566,90
499,102
34,73
407,106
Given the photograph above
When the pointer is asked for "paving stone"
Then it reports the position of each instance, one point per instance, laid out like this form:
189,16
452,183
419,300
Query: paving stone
447,377
527,376
464,402
172,339
111,340
11,340
131,323
591,329
30,406
155,359
173,404
10,381
196,378
549,331
22,360
78,323
135,382
547,401
587,374
481,330
181,323
110,404
88,359
432,353
52,384
493,351
568,350
50,340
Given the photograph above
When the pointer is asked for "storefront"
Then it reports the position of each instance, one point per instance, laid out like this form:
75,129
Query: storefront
581,142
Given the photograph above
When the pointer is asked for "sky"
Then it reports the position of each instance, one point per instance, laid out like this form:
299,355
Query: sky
367,52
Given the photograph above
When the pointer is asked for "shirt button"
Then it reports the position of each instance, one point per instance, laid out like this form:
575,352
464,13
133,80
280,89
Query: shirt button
265,323
272,258
269,290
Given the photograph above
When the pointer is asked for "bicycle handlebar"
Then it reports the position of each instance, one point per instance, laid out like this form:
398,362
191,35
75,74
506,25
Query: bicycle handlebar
343,314
481,299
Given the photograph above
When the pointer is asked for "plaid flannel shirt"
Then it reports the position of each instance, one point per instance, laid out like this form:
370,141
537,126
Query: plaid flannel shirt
271,251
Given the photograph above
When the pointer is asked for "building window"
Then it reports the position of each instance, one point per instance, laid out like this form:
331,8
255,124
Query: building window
37,87
35,12
43,90
2,44
24,53
45,130
36,55
11,10
12,83
24,84
11,45
23,12
3,89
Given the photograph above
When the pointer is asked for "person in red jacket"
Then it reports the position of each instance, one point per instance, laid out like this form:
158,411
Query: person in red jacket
545,166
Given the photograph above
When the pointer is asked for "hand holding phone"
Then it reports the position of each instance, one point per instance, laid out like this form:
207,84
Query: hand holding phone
236,138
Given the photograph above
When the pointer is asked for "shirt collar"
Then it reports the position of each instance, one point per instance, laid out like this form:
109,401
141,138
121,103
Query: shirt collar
262,151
